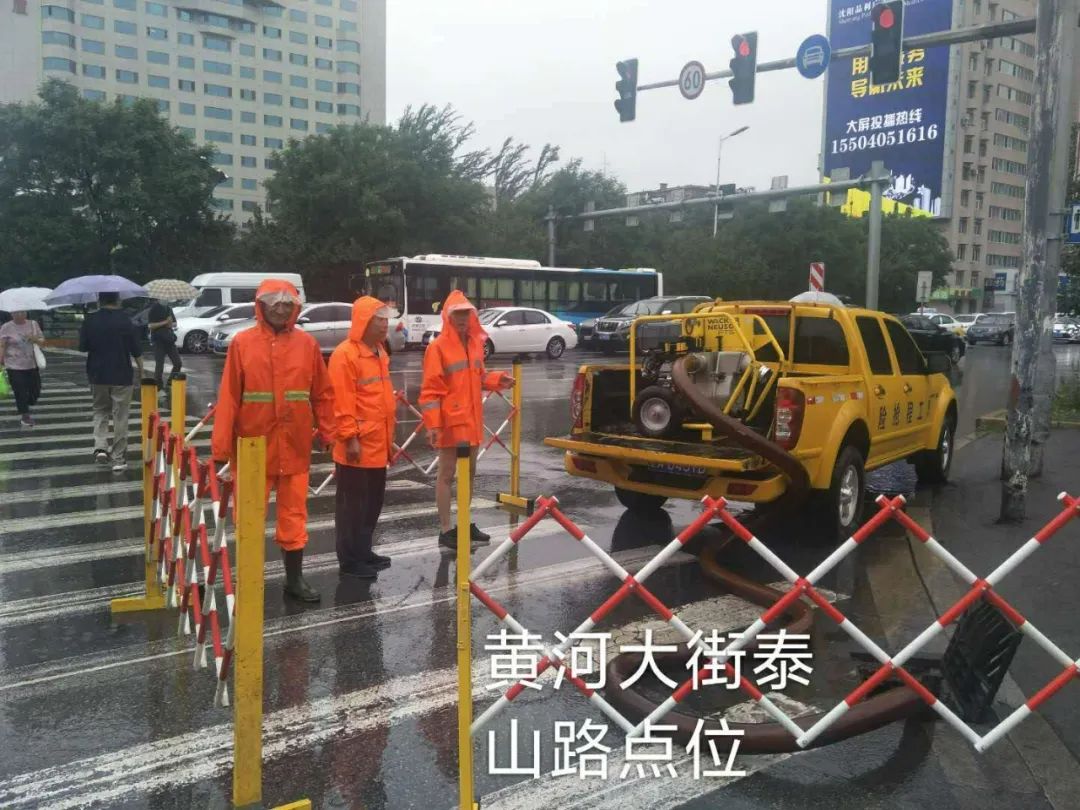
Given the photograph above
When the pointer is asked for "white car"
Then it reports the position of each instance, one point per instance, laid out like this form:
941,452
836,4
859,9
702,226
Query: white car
328,323
947,322
969,320
193,333
514,330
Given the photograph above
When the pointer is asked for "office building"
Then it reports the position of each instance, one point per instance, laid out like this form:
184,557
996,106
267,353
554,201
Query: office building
244,76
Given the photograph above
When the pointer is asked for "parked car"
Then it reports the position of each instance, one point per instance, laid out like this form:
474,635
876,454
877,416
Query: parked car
613,330
932,337
193,333
327,323
999,328
967,321
1066,330
948,322
586,330
513,330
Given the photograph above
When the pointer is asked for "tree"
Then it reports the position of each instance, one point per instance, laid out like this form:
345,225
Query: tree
94,188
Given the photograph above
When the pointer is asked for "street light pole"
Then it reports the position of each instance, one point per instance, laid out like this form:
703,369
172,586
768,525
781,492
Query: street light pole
719,150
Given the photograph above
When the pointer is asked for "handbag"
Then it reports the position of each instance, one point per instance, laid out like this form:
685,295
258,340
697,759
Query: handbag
5,386
39,356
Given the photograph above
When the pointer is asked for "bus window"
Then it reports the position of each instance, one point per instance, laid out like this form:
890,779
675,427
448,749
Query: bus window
624,291
496,292
467,284
564,296
532,294
594,297
425,297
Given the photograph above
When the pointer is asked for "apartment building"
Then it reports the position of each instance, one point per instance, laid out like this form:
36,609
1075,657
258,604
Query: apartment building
993,88
244,76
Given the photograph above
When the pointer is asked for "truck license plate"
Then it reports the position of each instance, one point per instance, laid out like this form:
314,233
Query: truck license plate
678,469
603,337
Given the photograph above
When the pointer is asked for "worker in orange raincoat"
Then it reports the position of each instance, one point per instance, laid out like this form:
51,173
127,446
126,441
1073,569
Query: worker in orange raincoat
364,411
275,385
451,402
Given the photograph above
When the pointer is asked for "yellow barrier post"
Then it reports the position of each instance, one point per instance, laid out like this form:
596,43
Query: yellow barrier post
152,598
178,407
250,477
513,498
466,800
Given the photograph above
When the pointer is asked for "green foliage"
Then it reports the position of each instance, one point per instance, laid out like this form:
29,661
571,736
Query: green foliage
93,188
1067,395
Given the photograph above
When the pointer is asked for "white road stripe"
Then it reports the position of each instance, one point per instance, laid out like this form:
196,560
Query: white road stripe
550,575
109,514
52,494
54,556
70,603
133,449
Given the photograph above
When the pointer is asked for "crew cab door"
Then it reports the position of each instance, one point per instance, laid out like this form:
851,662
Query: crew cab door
915,407
884,410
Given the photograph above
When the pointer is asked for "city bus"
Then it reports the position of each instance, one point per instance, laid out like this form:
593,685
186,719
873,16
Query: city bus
418,286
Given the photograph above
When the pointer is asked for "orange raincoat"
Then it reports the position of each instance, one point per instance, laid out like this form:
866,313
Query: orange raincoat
454,374
275,385
363,396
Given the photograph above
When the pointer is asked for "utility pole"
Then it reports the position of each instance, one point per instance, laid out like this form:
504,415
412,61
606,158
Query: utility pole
878,176
550,219
1044,203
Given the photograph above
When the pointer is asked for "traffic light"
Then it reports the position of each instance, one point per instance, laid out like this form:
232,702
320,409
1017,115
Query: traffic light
886,41
743,67
626,87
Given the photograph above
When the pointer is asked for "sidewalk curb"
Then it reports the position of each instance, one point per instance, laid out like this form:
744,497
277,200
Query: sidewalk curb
1050,763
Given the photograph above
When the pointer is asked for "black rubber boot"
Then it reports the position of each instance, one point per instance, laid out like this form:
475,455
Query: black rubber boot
295,585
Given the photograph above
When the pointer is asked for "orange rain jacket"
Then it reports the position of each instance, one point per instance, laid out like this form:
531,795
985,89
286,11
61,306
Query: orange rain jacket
450,398
363,396
275,385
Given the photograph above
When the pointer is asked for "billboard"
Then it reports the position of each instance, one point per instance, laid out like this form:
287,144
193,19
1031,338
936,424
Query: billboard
903,123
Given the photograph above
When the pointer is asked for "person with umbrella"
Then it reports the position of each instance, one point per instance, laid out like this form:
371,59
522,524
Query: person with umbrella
111,345
18,339
162,324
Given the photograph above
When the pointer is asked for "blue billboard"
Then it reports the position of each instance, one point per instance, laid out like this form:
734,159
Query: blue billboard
903,123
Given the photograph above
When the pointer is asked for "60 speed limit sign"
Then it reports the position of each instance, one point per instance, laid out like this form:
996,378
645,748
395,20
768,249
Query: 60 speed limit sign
692,80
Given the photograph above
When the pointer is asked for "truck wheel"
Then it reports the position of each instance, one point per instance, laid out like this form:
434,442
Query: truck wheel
640,502
844,501
657,412
932,466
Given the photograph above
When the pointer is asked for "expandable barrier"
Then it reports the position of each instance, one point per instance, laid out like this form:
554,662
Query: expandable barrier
185,564
889,509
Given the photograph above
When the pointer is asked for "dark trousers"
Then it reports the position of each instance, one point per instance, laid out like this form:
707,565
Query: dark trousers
26,386
359,501
161,349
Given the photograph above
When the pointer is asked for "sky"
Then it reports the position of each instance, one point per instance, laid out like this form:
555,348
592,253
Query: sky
544,71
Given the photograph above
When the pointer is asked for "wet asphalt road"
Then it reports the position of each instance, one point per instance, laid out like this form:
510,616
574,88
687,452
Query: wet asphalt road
360,706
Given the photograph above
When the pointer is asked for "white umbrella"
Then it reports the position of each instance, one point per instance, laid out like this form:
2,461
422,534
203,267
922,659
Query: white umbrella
171,289
24,299
86,289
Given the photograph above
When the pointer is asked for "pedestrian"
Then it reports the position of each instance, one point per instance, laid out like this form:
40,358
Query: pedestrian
18,337
451,402
364,409
275,385
108,337
162,323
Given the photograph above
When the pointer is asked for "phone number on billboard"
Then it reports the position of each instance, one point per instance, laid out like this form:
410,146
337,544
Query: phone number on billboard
878,140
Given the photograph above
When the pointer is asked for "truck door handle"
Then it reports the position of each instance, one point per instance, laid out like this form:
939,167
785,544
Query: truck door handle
907,388
879,392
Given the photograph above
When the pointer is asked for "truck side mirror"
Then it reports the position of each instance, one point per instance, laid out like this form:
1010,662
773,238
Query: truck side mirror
938,363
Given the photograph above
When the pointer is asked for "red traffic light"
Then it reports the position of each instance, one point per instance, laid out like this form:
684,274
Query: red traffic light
885,17
744,48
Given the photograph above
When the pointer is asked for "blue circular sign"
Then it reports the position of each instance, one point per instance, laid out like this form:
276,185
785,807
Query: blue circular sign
813,56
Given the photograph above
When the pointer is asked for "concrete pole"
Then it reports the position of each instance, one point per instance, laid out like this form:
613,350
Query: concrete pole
1037,279
873,241
1059,189
551,235
716,193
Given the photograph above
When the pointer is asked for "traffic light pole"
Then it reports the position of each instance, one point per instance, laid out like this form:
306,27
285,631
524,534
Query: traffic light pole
1033,369
976,33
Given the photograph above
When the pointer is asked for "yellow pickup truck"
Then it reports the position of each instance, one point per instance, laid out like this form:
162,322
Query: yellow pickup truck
759,400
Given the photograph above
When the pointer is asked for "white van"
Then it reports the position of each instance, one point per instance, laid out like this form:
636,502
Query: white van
220,289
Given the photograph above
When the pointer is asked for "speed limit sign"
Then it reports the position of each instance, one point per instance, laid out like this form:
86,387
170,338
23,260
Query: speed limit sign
692,80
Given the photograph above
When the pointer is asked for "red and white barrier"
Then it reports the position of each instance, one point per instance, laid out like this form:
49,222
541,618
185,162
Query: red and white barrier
889,509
